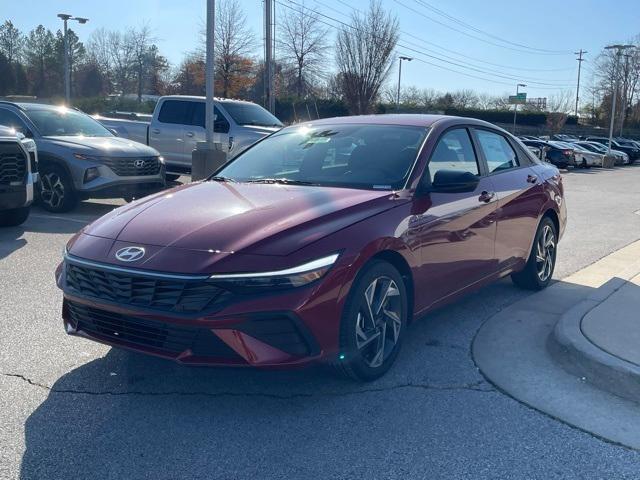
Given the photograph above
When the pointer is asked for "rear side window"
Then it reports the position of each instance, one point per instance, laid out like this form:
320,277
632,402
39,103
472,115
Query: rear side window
454,151
497,150
10,119
174,111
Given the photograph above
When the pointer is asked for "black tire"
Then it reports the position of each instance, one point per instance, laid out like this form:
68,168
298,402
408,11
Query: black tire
531,278
360,362
14,217
57,193
171,177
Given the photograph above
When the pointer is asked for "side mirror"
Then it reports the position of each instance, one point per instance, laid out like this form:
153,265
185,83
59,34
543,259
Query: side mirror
454,181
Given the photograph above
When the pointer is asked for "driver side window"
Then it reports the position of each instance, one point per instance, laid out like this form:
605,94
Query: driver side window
454,151
10,119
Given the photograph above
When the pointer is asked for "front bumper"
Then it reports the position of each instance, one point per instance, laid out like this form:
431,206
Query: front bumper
18,196
288,329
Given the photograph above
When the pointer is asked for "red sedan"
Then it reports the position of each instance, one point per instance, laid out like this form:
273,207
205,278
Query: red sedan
321,242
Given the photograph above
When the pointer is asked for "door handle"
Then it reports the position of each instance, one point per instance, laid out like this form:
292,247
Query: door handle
532,179
189,134
486,197
155,130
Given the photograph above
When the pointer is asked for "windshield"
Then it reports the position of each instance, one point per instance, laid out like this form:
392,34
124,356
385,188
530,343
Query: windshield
376,157
65,122
251,114
594,147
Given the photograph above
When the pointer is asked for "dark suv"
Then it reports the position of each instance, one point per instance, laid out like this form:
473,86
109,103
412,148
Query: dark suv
18,174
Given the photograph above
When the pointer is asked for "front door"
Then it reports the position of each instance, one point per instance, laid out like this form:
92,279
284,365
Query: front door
195,132
456,231
520,195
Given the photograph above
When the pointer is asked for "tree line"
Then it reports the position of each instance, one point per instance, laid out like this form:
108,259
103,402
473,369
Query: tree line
346,74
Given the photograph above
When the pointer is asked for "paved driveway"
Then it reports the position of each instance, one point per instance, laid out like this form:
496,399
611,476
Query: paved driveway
75,409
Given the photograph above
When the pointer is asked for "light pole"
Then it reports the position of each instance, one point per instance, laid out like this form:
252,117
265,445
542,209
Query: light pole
619,49
67,70
515,106
408,59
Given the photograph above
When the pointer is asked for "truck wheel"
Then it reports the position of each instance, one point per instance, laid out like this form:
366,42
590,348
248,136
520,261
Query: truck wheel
14,217
57,193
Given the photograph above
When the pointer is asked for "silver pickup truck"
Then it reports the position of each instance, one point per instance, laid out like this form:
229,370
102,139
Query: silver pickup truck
178,123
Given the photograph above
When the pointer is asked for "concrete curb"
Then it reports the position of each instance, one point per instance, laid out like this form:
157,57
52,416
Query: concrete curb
576,354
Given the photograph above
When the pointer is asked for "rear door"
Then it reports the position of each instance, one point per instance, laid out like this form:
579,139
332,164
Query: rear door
195,131
455,231
166,132
519,191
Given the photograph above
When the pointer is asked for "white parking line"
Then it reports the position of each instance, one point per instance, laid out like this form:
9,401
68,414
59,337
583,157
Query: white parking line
69,219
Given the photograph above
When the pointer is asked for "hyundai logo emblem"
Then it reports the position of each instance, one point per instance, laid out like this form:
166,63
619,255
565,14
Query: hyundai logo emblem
130,254
139,163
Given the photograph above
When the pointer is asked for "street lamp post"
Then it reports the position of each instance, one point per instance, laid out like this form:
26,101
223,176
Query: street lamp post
67,70
408,59
619,49
515,106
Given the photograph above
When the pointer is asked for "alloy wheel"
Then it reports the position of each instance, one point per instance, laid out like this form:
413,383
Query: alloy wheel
545,253
379,321
52,189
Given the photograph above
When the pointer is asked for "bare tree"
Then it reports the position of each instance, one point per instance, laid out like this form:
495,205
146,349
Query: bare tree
303,47
364,56
98,52
561,102
235,44
463,99
121,48
428,97
141,40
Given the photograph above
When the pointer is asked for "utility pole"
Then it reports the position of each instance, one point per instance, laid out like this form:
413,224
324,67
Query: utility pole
268,24
210,73
408,59
515,106
65,17
619,49
580,60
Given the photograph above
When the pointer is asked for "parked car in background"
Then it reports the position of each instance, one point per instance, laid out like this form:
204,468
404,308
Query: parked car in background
584,157
178,124
560,156
619,158
321,242
563,137
628,148
18,176
80,158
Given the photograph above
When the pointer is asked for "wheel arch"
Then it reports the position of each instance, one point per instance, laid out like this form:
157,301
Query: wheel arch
400,264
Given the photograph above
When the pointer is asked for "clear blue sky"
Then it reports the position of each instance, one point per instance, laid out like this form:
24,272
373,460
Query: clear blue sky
559,25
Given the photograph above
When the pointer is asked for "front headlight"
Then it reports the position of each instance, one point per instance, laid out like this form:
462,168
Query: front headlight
279,279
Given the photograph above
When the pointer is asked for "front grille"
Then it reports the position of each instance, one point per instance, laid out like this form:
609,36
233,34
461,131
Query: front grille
168,338
133,166
13,164
180,296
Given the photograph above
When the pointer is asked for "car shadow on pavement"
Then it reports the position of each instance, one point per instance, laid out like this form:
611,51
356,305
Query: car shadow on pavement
11,239
128,415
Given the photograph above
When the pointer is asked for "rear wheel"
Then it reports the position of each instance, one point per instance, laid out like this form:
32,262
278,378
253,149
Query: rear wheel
14,217
373,323
538,271
57,193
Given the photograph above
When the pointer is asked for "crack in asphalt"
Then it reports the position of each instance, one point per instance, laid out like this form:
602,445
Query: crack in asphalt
479,386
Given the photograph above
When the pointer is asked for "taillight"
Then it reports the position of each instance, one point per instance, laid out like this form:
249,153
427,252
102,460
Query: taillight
567,152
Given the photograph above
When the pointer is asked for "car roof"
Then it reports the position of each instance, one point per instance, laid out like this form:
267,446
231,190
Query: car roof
403,119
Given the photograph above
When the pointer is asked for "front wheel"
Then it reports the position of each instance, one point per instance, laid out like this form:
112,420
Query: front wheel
373,323
538,271
57,193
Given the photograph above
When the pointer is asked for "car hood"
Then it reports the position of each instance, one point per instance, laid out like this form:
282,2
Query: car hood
259,219
102,146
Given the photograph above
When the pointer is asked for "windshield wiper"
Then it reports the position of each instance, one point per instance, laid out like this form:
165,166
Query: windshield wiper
220,178
284,181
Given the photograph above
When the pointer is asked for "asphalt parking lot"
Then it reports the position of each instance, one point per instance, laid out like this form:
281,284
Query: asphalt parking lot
76,409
